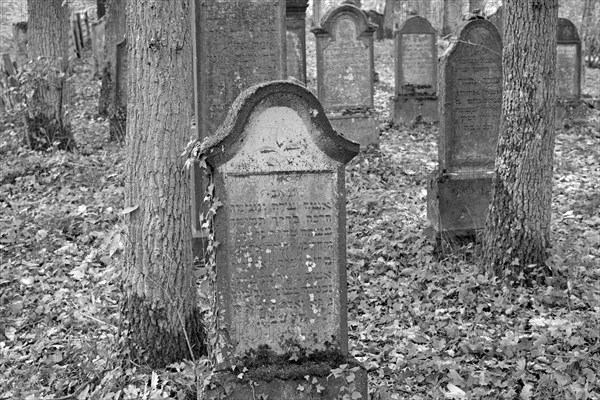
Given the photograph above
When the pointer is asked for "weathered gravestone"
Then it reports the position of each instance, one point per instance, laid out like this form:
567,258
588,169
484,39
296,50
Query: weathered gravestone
322,7
295,23
345,73
568,61
470,103
497,19
281,308
98,45
431,10
237,43
416,72
452,15
568,71
118,121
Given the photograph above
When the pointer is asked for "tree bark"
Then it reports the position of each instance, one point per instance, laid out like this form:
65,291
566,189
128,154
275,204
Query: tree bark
48,37
517,233
591,32
116,23
159,286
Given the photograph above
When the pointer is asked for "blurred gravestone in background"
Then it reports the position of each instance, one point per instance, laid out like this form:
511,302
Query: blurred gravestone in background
345,74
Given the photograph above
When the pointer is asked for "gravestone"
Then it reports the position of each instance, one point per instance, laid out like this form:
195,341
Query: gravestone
497,19
278,167
452,15
376,18
322,7
236,44
416,72
568,72
295,23
568,61
345,73
470,103
119,116
19,31
431,10
98,30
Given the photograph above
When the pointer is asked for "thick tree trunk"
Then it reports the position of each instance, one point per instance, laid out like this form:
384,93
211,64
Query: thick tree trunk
48,37
517,232
160,290
114,33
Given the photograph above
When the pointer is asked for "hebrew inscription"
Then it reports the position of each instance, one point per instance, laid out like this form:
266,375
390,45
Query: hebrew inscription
347,78
283,279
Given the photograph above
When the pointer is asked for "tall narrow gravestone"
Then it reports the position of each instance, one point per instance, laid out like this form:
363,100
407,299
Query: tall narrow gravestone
568,71
345,73
470,103
568,61
416,72
295,21
278,169
237,43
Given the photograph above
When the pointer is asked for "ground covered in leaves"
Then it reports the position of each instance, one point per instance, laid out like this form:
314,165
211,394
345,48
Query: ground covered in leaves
425,325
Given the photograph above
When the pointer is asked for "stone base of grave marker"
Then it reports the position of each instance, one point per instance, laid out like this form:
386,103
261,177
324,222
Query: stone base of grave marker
457,205
228,385
408,109
567,111
360,128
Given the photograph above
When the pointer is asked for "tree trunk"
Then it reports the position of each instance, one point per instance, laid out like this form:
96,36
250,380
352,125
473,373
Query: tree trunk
159,286
48,37
517,232
113,34
591,32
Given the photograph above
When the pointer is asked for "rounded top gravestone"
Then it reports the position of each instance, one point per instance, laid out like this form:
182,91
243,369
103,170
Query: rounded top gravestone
470,93
568,61
278,169
345,59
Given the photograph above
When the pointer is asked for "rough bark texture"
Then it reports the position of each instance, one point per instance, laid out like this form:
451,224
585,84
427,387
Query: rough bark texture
114,32
48,37
517,231
160,290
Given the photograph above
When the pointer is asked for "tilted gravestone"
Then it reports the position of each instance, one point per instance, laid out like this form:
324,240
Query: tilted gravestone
236,43
345,73
568,61
470,103
295,22
278,168
416,72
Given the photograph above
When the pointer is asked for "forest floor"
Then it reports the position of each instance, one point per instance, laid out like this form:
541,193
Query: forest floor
425,326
